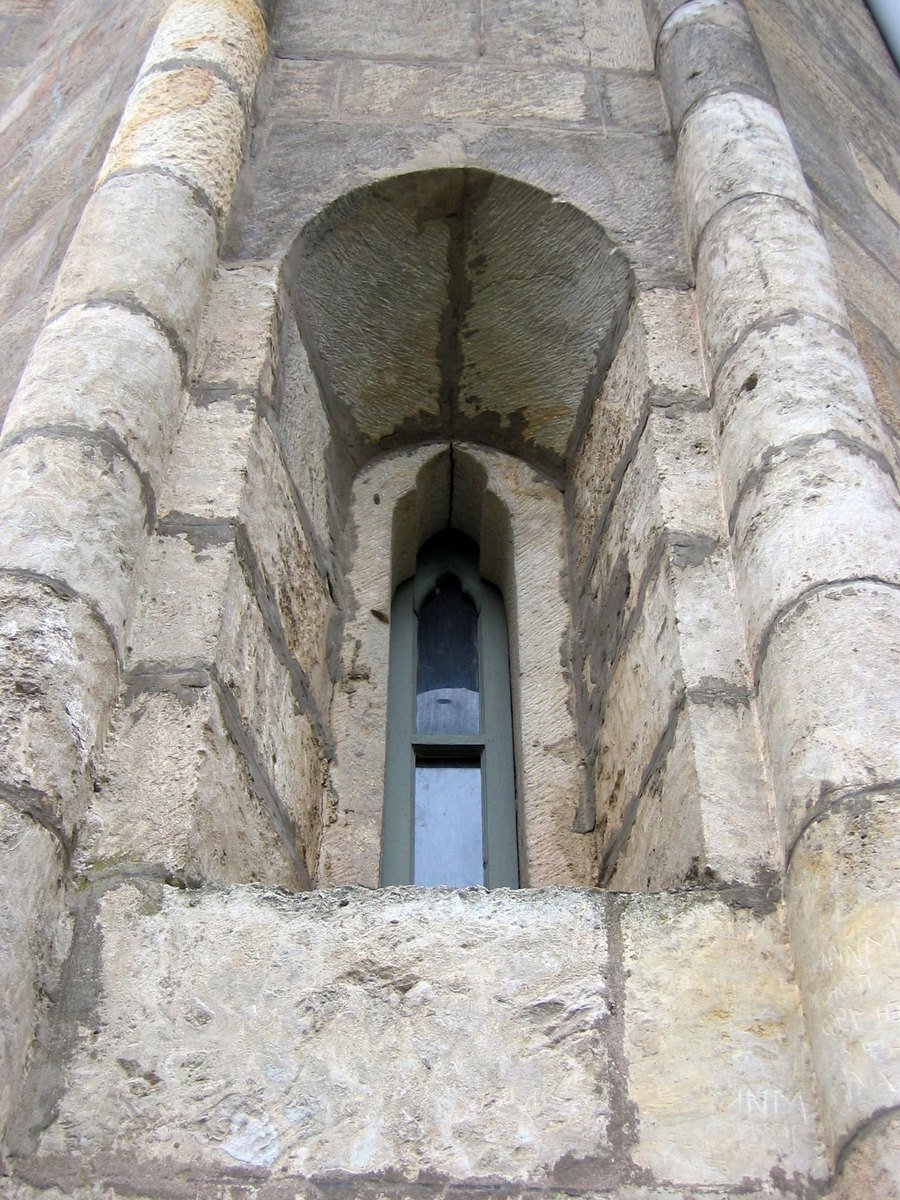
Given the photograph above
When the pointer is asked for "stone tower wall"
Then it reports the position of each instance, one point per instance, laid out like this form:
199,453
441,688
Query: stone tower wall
554,276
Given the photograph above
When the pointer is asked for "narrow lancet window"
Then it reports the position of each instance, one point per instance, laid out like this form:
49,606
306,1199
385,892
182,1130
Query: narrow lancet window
449,812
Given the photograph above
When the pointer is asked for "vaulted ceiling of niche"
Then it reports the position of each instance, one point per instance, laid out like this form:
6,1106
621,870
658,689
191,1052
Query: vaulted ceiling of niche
458,304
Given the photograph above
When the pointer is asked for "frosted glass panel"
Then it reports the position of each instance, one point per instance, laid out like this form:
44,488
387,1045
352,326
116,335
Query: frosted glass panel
447,675
447,834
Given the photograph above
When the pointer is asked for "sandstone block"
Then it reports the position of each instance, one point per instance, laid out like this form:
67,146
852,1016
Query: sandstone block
799,380
207,468
175,792
248,1022
814,514
57,676
761,260
185,121
444,29
607,33
735,145
104,369
709,47
229,33
289,569
844,906
73,509
828,690
144,240
710,993
236,340
304,432
180,598
288,721
31,868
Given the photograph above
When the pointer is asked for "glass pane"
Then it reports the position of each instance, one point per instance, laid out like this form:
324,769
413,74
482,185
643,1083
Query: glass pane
447,677
448,837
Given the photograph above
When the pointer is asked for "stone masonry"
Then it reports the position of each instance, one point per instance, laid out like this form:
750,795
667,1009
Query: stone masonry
611,287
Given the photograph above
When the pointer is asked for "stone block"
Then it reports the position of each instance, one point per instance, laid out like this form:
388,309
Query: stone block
107,370
143,240
289,572
607,33
208,465
175,792
657,843
798,381
494,94
57,678
828,689
238,1032
73,509
815,514
869,1166
185,121
718,1066
735,145
31,869
709,47
181,593
287,720
235,346
639,708
432,29
229,33
761,260
304,431
844,907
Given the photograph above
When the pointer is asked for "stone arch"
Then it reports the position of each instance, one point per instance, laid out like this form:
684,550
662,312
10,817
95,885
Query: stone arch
461,304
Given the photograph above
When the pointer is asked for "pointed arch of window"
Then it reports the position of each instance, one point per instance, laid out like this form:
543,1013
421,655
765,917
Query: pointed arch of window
449,807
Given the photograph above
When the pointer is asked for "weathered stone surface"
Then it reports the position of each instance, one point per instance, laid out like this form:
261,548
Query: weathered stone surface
735,145
815,513
229,33
608,33
659,358
303,431
709,46
761,260
185,121
180,596
169,271
174,793
869,1166
237,1030
73,509
838,650
235,346
844,902
718,1067
58,676
107,370
31,867
288,570
402,28
782,386
207,467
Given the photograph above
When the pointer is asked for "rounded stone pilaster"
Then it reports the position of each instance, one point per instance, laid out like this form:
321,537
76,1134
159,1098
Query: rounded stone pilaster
812,505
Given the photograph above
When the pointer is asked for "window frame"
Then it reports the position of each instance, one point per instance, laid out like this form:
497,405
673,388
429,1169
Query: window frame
493,746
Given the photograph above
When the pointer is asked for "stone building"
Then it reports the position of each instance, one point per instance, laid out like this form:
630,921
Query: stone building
289,291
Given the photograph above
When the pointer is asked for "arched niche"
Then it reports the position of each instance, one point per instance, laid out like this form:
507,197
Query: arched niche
458,304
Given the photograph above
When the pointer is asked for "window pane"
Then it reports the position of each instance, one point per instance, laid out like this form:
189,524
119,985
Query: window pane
447,676
447,846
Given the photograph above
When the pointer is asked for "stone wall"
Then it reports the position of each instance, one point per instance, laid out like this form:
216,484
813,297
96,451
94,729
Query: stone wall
283,310
65,73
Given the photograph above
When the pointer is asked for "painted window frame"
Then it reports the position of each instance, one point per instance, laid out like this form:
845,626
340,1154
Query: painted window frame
493,745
